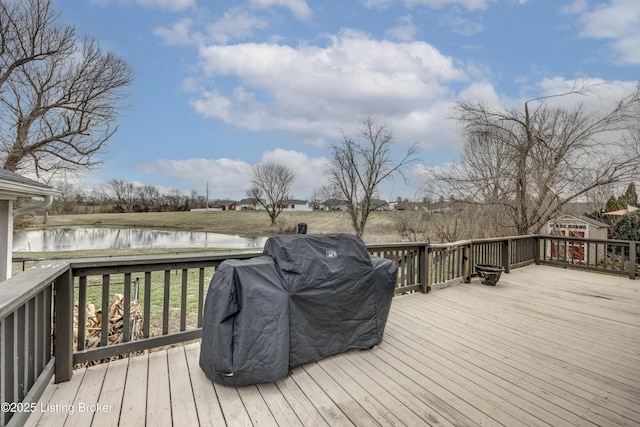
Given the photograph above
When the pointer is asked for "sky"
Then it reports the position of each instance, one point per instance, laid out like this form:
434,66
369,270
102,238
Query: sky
220,86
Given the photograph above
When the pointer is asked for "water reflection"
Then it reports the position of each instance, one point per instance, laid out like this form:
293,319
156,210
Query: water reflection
65,239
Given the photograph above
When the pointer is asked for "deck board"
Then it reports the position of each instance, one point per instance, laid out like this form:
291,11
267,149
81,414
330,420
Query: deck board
204,395
134,408
158,393
183,408
546,347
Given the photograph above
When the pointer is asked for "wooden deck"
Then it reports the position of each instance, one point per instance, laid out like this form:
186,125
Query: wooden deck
546,346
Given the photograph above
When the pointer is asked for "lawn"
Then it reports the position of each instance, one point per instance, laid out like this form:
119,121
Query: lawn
242,223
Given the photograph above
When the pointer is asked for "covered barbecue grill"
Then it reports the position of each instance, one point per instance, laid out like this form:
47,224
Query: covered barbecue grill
307,297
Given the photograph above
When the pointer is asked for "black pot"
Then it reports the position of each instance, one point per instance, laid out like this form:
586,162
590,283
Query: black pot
489,274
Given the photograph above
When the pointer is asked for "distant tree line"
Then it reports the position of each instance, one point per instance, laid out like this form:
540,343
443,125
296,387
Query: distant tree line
123,196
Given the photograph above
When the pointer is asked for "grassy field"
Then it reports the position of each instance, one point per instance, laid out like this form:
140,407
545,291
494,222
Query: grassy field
380,227
242,223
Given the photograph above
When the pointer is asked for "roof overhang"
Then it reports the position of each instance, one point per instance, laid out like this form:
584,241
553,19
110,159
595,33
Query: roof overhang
13,186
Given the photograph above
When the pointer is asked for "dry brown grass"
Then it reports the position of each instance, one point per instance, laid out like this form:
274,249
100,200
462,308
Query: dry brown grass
242,223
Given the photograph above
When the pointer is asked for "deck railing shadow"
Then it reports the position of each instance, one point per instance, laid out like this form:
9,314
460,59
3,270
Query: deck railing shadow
37,306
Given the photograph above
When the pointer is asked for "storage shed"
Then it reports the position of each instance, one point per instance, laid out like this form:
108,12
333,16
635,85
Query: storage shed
575,226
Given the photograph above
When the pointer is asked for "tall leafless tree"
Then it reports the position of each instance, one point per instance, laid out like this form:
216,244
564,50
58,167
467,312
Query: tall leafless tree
359,165
270,186
532,162
121,193
59,95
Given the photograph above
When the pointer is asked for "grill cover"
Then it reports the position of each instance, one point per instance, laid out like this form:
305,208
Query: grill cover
307,297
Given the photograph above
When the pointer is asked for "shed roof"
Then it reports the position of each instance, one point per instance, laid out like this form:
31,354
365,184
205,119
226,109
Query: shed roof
591,221
13,186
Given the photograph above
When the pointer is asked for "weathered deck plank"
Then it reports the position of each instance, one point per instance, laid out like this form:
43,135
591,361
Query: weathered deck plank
183,408
546,347
158,392
134,408
204,395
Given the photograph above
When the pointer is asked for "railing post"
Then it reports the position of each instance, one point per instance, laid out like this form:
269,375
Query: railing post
536,256
63,328
422,262
633,257
428,267
506,255
466,266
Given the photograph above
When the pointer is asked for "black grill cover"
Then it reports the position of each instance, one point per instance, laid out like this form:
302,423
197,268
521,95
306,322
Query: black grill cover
307,297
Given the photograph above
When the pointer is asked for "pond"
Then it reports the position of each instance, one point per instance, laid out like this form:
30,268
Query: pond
95,238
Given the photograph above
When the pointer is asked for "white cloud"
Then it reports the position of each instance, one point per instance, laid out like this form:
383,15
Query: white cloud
481,91
618,21
377,4
406,30
460,24
172,5
434,4
225,177
577,6
236,24
299,8
313,91
309,172
437,4
178,34
232,178
598,95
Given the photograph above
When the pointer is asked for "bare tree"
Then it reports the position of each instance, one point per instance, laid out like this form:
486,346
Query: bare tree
271,184
534,161
148,197
120,193
359,166
59,95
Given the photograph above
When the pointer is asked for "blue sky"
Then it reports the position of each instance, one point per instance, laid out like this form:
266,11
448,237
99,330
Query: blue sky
220,86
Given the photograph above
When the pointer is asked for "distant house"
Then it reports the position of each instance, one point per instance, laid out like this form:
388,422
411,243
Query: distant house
576,226
217,206
226,205
296,205
250,204
342,205
334,205
287,205
380,205
410,206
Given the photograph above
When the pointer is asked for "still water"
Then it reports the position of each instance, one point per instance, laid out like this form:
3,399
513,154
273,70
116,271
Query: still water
71,238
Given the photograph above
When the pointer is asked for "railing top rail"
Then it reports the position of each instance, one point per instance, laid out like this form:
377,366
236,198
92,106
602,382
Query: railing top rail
176,258
401,245
588,239
21,288
451,245
502,239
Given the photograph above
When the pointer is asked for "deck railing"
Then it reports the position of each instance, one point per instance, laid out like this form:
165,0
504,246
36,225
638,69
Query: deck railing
26,331
611,256
37,306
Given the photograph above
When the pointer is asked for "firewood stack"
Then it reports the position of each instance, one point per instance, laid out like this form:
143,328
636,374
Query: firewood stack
115,329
